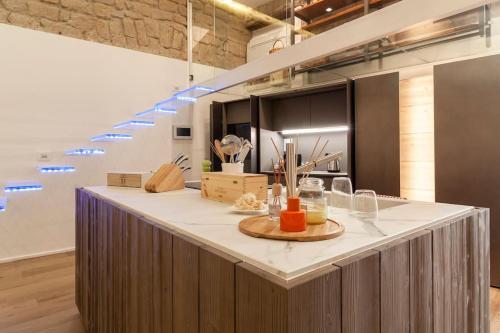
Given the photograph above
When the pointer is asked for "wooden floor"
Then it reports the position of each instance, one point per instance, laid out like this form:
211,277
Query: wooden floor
37,296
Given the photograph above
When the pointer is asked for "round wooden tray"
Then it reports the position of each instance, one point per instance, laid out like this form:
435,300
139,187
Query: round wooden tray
264,227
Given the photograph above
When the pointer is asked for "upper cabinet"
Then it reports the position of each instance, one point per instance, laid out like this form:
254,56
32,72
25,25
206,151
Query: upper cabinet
328,108
290,113
324,108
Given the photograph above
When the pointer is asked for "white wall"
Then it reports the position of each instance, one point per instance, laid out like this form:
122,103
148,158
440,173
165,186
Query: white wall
55,93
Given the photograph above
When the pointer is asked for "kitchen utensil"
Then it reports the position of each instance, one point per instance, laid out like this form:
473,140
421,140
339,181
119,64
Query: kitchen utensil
247,146
177,158
218,147
182,160
231,145
342,192
216,152
264,227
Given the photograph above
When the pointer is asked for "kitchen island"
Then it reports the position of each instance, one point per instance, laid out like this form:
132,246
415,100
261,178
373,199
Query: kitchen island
174,262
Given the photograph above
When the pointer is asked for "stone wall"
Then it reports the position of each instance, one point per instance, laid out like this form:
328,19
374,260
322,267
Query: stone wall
228,49
153,26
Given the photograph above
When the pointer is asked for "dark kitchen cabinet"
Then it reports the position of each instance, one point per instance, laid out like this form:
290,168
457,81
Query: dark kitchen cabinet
376,134
291,113
467,140
307,109
328,109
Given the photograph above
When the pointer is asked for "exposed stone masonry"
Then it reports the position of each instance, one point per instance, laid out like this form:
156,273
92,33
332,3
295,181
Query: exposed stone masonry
153,26
229,47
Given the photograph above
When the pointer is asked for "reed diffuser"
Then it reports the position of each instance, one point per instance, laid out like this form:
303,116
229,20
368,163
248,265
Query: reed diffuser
275,202
293,219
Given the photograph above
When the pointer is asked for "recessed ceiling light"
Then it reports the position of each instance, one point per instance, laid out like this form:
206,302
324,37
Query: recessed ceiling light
329,9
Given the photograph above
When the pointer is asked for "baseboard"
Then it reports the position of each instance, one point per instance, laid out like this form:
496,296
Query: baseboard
36,255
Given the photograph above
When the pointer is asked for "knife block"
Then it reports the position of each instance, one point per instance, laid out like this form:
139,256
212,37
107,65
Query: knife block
169,177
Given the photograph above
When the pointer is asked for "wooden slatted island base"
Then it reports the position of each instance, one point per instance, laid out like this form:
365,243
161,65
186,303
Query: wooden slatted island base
173,262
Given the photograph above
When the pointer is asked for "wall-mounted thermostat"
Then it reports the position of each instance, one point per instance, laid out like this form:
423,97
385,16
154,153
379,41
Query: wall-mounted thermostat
183,132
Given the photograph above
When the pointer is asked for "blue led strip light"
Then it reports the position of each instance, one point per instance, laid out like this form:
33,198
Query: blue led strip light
111,137
23,188
156,111
186,98
56,169
2,208
85,151
3,204
134,124
176,102
195,91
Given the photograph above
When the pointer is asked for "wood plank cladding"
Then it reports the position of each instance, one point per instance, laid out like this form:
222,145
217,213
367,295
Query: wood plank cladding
466,125
134,276
361,293
376,127
416,128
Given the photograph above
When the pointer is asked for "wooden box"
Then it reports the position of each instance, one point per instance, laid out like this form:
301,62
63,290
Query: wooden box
128,179
227,187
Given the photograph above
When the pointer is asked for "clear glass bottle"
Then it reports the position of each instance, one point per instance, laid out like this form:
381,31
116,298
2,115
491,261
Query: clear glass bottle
275,203
313,200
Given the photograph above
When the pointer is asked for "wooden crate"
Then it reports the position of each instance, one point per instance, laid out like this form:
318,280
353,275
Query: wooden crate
227,187
128,179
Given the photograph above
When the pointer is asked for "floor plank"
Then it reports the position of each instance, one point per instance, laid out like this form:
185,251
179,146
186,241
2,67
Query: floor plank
37,295
495,310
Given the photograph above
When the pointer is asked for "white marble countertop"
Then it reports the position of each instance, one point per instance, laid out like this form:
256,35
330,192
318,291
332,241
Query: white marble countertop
213,224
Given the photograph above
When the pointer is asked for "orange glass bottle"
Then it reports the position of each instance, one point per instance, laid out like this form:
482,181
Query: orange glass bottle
293,219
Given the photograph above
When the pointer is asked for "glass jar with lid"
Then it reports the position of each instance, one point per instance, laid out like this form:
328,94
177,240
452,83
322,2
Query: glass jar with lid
313,200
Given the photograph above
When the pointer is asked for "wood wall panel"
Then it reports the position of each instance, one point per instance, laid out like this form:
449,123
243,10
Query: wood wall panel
185,270
395,287
458,276
376,142
261,302
421,282
466,139
484,270
416,118
322,313
162,281
217,296
361,293
441,270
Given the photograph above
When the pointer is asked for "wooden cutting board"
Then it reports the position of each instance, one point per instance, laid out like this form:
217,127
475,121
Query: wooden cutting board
264,227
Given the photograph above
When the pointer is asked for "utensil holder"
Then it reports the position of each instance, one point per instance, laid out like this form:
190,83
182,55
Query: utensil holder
232,167
168,178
